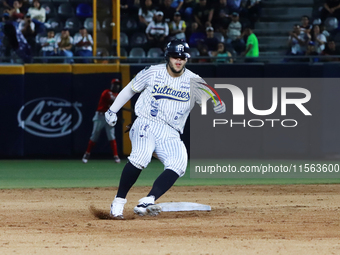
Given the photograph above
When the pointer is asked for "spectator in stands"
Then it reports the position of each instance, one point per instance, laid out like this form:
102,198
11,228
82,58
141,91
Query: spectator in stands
221,18
64,43
9,41
297,41
15,42
167,10
311,51
330,50
253,8
252,47
188,7
38,15
234,33
236,5
157,31
37,12
103,54
196,35
210,40
83,42
222,55
203,50
128,7
27,28
177,27
48,45
318,39
146,13
7,4
15,12
234,28
203,13
305,27
25,5
331,8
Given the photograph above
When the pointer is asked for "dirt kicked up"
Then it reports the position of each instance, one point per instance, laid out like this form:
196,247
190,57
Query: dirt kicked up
252,219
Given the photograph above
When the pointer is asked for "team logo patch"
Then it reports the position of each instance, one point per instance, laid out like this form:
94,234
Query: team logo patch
166,92
180,48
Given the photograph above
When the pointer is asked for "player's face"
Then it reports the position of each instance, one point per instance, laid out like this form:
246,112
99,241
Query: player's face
176,64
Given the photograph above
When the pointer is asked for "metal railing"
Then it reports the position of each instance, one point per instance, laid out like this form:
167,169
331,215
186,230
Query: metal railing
200,59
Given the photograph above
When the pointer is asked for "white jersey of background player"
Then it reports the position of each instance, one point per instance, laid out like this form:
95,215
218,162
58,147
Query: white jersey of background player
162,110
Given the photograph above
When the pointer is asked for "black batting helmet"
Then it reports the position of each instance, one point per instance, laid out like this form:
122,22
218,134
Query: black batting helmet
177,48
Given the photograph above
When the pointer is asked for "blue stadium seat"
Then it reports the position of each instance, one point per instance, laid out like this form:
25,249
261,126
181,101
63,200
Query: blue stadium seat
84,11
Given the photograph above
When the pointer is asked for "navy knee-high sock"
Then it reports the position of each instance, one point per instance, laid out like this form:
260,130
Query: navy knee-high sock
163,183
129,176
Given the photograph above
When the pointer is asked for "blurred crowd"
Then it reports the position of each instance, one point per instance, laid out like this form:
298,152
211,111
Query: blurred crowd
316,37
215,28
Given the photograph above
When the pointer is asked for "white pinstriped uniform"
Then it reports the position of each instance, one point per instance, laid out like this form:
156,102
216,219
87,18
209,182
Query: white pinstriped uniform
162,109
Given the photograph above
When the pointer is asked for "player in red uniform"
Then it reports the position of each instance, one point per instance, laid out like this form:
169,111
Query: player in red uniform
105,101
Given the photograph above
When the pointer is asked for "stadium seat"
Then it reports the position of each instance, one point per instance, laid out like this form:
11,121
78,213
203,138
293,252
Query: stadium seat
103,40
50,10
123,52
331,23
106,25
59,2
194,52
65,11
56,24
73,24
39,36
138,39
88,24
155,53
219,36
124,40
101,51
84,10
57,36
75,3
137,53
128,24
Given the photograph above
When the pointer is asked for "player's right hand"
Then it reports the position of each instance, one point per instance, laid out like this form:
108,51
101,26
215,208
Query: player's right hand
111,117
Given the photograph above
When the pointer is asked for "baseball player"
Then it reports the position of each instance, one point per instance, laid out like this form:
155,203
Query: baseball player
106,99
162,109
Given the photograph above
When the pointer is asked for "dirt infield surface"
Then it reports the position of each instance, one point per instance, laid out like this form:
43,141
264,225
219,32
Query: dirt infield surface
292,219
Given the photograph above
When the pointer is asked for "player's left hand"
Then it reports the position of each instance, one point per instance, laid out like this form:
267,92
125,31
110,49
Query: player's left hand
219,108
111,117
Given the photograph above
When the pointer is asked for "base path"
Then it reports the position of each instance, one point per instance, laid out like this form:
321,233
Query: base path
252,219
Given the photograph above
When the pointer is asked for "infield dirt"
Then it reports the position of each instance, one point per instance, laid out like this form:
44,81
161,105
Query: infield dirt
252,219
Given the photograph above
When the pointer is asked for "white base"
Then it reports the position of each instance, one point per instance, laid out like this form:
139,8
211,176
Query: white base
183,206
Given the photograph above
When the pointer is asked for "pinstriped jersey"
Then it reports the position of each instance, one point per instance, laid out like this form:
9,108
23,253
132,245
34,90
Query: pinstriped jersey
163,98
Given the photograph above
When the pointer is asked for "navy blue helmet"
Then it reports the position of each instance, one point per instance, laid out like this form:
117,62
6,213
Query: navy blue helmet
177,48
